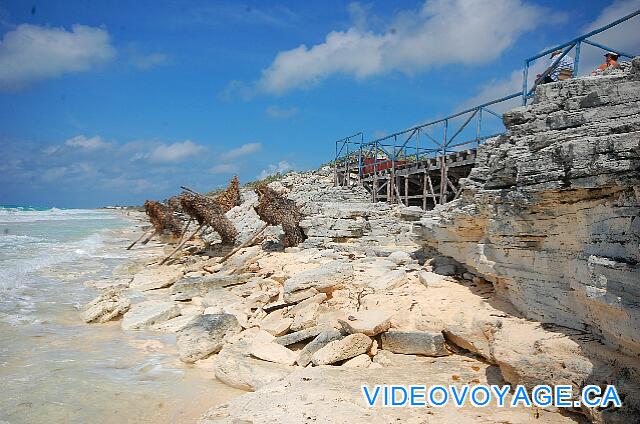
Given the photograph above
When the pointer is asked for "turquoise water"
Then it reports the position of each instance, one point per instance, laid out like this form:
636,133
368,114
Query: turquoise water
55,368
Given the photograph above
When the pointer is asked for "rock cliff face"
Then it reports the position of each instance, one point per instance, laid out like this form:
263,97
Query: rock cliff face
551,212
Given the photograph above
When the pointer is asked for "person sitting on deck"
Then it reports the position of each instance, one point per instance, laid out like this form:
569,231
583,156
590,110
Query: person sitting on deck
610,61
563,71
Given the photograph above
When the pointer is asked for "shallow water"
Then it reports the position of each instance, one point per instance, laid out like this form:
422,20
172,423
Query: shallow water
55,368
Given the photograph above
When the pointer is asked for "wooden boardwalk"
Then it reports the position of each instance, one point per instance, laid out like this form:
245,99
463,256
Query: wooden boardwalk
424,183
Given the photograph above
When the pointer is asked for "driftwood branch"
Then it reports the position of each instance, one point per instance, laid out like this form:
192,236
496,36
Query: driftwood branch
148,239
182,243
242,246
141,237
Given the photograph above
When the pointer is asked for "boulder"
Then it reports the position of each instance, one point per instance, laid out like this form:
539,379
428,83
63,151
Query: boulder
276,323
149,312
205,335
324,279
305,318
360,361
299,336
155,278
339,350
237,369
321,340
109,305
400,257
414,343
273,352
188,288
317,299
369,322
390,280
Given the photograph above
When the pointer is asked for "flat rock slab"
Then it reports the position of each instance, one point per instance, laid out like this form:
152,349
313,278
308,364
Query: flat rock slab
238,370
390,280
333,395
321,340
149,312
339,350
107,306
299,336
155,278
273,352
205,335
188,288
369,322
276,323
324,279
415,343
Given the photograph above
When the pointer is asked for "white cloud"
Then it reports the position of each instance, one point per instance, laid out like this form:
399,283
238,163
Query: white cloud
82,142
622,37
280,112
243,150
175,152
442,32
224,168
32,53
272,169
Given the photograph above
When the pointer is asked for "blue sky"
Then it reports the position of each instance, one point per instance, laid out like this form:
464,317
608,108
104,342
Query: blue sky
109,102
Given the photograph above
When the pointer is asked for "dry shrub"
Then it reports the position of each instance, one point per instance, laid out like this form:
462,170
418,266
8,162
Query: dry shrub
162,218
231,196
207,211
275,209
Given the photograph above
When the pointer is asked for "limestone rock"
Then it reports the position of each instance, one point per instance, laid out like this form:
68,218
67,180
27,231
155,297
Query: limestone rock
238,370
333,395
390,280
109,305
188,288
155,278
414,342
400,257
273,352
360,361
369,322
321,340
323,279
149,312
299,336
550,211
339,350
205,335
276,323
305,318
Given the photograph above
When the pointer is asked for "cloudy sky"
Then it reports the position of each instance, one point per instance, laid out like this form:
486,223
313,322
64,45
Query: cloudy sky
112,102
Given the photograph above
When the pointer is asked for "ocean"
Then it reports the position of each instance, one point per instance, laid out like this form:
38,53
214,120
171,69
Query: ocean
56,368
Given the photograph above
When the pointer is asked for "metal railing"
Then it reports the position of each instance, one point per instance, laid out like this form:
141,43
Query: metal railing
418,142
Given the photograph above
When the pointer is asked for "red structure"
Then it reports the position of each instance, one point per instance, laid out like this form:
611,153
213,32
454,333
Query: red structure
380,164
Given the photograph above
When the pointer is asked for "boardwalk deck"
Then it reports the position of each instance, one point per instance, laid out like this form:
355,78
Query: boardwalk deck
424,183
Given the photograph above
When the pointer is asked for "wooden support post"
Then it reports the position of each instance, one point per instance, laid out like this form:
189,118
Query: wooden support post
375,188
433,193
424,191
395,186
406,190
443,180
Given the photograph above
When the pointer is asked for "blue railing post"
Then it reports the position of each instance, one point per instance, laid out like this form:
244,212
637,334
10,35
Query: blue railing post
576,62
525,77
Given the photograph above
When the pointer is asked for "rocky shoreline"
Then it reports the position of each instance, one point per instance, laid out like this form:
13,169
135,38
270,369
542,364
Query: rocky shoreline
365,299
